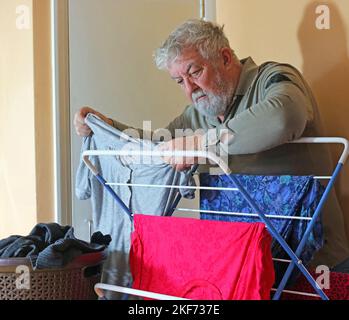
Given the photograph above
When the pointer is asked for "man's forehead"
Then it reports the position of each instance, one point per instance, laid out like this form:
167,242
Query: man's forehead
189,54
185,61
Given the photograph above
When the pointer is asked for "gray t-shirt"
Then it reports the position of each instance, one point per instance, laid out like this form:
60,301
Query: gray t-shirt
108,217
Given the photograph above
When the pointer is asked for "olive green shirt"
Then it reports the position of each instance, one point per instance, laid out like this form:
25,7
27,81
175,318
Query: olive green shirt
272,106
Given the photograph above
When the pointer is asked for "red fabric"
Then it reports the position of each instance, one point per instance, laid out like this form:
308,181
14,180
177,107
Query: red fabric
338,287
201,259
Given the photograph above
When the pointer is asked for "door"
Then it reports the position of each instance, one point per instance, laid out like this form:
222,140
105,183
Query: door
111,43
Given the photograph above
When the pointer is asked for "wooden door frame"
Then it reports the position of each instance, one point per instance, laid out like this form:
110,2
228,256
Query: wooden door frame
61,101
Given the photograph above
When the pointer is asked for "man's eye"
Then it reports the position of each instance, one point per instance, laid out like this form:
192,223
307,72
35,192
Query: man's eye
196,73
180,82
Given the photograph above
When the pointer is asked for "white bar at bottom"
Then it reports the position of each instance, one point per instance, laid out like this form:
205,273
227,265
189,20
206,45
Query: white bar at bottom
282,260
152,295
299,293
146,294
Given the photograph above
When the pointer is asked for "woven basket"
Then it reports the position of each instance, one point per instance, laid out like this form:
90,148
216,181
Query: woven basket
74,282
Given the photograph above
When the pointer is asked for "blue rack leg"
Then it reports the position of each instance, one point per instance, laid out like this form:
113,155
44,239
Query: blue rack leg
174,205
308,230
122,205
115,196
178,196
277,236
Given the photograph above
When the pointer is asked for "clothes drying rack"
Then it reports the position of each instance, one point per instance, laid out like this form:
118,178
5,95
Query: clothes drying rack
294,255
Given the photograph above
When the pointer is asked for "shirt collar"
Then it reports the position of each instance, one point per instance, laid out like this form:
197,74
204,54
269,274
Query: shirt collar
248,73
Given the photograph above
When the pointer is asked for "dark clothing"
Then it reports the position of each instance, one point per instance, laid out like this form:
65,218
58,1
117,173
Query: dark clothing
51,245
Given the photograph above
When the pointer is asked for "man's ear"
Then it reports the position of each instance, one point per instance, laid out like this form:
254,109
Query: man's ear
226,56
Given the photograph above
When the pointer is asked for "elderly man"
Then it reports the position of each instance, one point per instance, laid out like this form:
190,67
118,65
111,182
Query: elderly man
254,111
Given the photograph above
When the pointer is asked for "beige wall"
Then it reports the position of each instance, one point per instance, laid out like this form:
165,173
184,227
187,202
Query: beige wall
285,31
17,144
21,172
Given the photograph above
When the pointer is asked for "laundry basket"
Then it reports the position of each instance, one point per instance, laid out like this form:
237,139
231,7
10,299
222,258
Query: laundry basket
18,281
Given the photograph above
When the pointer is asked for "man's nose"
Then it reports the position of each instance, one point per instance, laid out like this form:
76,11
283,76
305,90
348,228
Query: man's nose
189,87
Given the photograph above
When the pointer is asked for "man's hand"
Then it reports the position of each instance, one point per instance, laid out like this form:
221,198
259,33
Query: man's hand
191,143
81,128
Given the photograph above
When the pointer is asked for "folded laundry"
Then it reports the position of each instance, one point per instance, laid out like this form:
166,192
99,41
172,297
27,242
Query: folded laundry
201,259
51,245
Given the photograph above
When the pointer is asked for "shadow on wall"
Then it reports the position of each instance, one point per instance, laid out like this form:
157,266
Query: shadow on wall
326,67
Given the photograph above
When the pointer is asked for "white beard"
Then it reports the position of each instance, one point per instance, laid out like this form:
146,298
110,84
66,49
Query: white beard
213,105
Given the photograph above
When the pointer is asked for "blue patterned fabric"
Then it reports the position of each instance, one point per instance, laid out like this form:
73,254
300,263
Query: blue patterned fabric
275,195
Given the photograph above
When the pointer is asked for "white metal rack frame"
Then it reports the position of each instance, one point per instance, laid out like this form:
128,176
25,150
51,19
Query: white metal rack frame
294,260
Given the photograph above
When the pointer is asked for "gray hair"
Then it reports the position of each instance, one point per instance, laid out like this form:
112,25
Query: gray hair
207,37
